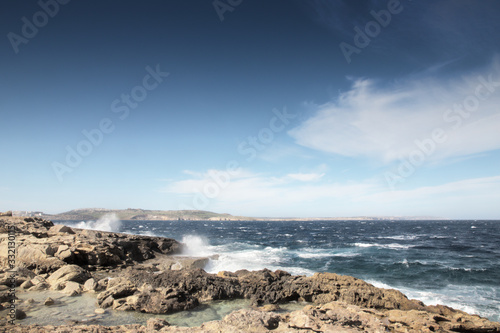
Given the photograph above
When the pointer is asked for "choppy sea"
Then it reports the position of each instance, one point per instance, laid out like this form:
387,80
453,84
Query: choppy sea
455,263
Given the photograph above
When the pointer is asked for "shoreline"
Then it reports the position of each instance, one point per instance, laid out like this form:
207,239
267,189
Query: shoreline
145,277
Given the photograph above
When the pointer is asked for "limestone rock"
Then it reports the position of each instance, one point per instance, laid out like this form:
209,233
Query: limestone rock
245,320
90,285
269,308
61,228
117,290
72,288
26,284
156,324
69,273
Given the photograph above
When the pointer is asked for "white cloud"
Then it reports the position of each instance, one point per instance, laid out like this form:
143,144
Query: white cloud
259,195
383,123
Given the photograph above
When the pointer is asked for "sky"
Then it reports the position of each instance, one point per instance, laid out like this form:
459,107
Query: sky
283,108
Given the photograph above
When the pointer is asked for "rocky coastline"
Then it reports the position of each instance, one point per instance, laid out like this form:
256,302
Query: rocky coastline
146,274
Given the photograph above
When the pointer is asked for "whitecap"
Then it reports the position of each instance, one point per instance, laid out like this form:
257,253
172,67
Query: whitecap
393,246
400,237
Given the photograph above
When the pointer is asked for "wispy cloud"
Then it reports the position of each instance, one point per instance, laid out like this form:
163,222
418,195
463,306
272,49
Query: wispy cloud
285,196
385,121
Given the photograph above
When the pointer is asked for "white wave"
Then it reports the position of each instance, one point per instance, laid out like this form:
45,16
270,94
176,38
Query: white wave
147,233
379,284
196,246
251,259
399,237
394,246
346,254
311,253
108,222
458,297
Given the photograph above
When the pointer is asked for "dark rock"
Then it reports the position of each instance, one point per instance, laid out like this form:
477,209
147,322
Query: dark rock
20,314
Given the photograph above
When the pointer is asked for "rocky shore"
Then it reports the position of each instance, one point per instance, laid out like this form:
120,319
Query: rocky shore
145,274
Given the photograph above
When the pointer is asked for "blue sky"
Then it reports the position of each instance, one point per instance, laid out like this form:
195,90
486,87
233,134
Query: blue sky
259,108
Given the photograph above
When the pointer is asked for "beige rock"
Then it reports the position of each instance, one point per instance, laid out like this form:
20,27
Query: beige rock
269,308
26,285
72,288
156,324
69,273
90,285
61,228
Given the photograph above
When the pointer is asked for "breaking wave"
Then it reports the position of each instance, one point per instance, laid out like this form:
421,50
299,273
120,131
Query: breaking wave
108,222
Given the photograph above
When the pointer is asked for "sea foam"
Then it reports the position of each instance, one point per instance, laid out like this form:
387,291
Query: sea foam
108,222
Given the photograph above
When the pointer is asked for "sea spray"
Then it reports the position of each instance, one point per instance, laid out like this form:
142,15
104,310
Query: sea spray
196,246
108,222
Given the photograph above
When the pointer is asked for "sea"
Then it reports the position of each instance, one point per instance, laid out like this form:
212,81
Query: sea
454,263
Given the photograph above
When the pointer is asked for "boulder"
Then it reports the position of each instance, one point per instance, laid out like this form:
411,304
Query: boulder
49,301
100,311
244,320
72,288
38,283
20,314
37,257
62,229
90,285
26,284
121,288
156,324
69,273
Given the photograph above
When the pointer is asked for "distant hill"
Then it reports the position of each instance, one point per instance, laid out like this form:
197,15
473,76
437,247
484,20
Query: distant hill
143,214
198,215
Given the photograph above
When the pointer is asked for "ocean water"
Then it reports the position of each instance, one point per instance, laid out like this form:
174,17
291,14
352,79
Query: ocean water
455,263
